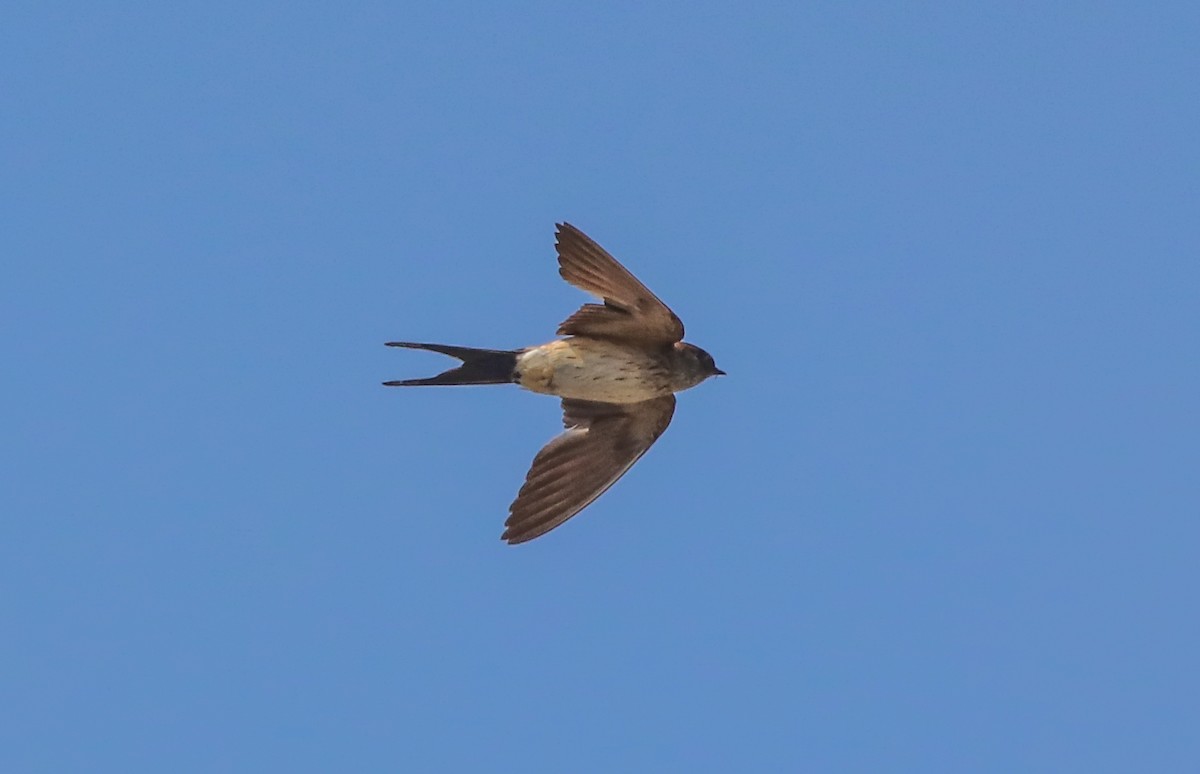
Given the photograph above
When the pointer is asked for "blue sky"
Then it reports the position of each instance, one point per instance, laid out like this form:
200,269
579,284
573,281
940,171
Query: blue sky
941,516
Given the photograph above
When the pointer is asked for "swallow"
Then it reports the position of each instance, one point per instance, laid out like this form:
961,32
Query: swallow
617,371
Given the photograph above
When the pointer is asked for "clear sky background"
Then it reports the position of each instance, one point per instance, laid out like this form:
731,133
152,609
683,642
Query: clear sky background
941,517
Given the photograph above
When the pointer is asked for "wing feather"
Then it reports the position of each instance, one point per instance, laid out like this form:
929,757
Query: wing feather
630,311
601,442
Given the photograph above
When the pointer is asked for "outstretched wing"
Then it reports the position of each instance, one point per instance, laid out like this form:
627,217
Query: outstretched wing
630,311
601,442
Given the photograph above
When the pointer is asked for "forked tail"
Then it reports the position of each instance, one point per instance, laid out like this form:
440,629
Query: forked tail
479,366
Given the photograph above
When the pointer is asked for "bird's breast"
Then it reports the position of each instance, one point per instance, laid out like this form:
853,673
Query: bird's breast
594,369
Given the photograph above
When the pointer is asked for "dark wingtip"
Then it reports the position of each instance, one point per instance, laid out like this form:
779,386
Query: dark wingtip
515,539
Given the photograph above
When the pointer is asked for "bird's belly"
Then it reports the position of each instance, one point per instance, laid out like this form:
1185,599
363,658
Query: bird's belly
593,370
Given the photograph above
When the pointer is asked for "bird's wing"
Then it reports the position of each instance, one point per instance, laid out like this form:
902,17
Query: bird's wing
630,311
601,442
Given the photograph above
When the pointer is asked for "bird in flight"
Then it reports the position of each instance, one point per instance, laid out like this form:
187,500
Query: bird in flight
617,372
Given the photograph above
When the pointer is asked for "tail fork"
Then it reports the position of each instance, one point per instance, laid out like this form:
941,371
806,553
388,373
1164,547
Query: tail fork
479,366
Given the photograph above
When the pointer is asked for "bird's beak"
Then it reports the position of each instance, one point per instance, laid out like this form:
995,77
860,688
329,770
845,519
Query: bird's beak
718,372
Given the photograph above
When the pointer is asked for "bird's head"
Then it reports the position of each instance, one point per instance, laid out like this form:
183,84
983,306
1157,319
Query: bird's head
696,365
